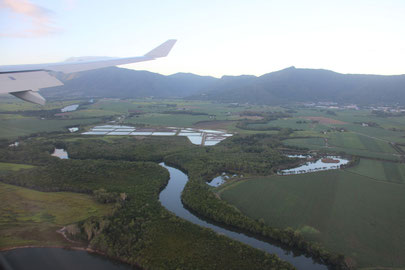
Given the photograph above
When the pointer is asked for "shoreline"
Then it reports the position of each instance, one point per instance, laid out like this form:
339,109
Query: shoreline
87,249
44,246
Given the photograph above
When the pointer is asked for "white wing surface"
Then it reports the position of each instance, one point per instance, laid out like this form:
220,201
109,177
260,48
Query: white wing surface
23,81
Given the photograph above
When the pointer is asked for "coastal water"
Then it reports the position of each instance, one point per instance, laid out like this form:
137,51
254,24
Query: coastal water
170,198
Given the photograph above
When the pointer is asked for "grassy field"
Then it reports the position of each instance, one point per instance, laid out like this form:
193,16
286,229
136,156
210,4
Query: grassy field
29,217
11,104
177,120
347,212
380,170
13,167
12,128
350,143
359,141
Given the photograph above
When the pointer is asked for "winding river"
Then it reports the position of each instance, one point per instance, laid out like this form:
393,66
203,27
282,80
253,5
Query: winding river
170,198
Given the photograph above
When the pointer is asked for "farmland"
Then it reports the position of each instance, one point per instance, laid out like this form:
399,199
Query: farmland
346,212
358,211
13,128
380,170
29,217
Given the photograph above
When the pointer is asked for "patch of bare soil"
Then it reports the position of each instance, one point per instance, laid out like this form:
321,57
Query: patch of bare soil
216,124
329,160
251,117
325,120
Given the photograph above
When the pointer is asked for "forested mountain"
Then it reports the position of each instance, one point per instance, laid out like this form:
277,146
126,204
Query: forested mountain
284,86
311,85
127,83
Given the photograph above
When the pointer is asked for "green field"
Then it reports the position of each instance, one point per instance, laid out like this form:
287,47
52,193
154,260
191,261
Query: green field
29,217
12,128
350,143
380,170
361,142
13,167
359,211
348,213
311,143
11,104
178,120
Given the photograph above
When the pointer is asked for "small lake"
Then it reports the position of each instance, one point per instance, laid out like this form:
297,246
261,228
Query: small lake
318,165
60,153
57,258
70,108
170,198
219,180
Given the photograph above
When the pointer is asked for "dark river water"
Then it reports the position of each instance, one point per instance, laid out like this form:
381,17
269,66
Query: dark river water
58,258
170,199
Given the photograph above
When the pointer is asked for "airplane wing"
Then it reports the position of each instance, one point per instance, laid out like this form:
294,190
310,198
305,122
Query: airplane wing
24,81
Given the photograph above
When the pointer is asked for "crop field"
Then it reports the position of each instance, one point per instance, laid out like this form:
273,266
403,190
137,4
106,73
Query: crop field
311,142
11,104
29,217
177,120
357,141
319,144
380,170
353,143
348,213
12,128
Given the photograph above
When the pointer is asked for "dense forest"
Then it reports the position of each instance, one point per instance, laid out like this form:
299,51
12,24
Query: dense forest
139,230
249,155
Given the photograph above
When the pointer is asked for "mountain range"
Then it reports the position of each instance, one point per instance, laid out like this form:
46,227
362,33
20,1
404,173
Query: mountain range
289,85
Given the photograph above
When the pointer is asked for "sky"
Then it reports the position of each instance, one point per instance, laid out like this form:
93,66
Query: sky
215,38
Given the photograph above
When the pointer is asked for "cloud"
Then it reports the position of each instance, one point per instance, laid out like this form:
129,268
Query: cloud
38,19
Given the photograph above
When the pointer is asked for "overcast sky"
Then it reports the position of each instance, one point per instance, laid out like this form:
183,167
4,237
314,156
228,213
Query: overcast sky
214,37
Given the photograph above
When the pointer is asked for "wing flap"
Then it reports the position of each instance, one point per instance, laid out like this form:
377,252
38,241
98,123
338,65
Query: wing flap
30,96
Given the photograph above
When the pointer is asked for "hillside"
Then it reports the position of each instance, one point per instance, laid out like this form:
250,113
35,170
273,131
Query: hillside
312,85
285,86
127,83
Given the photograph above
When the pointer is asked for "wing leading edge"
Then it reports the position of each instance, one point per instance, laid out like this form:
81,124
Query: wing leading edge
23,81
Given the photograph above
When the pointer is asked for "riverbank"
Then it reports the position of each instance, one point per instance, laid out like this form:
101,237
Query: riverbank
170,198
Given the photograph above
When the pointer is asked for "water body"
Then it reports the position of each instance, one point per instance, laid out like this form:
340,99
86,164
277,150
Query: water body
70,108
219,180
57,258
60,153
170,198
314,166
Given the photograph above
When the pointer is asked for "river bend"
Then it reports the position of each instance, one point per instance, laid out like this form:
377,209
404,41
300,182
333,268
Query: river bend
170,198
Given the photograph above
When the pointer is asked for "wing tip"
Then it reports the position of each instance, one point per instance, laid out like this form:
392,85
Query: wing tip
162,50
